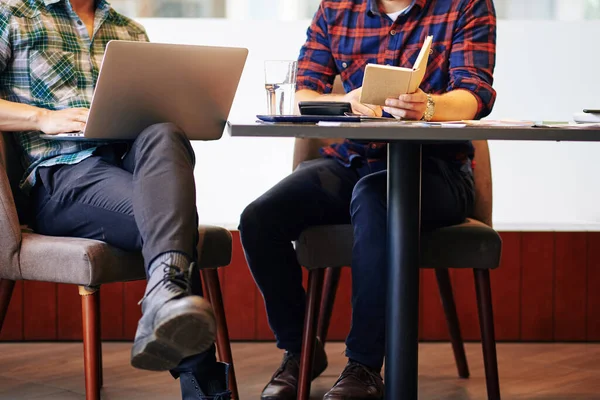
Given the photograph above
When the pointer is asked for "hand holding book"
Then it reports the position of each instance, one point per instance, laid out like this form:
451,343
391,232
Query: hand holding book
407,106
358,107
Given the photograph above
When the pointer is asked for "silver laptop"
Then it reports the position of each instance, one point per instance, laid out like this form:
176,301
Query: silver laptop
141,84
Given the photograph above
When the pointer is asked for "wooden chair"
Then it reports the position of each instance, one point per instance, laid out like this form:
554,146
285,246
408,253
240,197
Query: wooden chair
25,255
323,250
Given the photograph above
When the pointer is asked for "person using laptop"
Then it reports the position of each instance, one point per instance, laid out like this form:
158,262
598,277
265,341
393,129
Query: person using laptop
348,184
136,195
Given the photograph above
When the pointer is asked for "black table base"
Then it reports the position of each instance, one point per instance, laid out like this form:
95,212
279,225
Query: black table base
402,313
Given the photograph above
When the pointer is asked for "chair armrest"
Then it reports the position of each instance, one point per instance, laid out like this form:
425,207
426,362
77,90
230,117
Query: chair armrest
483,183
308,149
10,230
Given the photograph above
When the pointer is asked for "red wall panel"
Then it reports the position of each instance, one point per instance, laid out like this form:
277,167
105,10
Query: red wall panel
40,311
463,285
537,286
133,293
546,289
570,286
506,289
112,310
13,323
69,313
593,286
432,321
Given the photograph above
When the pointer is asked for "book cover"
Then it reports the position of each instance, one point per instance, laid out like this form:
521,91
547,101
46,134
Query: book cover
384,81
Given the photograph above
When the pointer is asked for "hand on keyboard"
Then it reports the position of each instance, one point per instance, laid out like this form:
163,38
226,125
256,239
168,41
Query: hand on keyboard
67,120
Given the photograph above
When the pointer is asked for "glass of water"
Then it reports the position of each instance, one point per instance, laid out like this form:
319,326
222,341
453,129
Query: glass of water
280,85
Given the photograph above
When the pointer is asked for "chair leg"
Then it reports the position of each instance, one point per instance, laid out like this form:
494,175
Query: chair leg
488,340
6,290
213,288
447,297
91,358
332,280
313,301
99,341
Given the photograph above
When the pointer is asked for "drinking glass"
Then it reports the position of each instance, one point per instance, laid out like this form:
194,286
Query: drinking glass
280,85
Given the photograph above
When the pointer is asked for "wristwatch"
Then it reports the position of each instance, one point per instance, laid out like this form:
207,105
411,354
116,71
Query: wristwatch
430,110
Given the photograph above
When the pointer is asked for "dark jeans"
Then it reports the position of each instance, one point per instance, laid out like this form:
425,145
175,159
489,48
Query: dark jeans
138,196
322,192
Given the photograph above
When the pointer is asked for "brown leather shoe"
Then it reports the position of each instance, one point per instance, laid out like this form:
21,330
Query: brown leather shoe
357,382
284,383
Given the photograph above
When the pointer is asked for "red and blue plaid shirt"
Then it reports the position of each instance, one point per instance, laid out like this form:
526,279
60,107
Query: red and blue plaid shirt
345,35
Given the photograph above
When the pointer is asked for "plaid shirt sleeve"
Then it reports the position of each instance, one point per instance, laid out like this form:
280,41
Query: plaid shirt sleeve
473,53
316,66
4,39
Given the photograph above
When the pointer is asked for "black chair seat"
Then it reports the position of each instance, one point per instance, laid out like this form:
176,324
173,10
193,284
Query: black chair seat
468,245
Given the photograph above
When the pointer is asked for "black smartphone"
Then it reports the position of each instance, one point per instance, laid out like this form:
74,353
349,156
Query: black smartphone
324,108
589,111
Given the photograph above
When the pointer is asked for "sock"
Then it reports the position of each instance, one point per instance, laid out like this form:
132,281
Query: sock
173,258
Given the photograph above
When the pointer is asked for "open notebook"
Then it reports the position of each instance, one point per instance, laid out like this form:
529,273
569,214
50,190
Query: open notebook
384,81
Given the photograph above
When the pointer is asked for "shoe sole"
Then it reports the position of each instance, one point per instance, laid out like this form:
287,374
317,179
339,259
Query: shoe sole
186,332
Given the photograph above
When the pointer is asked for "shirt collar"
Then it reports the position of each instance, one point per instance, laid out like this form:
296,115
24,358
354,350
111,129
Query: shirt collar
373,6
100,4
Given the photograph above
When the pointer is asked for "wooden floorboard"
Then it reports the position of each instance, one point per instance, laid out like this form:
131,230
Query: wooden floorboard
527,371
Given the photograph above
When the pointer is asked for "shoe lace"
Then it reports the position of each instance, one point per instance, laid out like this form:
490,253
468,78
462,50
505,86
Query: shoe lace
174,279
226,395
287,357
360,371
221,396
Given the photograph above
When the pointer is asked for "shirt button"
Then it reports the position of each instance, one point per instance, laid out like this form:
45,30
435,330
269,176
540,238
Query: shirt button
392,32
344,65
79,22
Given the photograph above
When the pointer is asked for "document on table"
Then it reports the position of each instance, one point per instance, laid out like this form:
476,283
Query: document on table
498,123
570,125
444,124
449,124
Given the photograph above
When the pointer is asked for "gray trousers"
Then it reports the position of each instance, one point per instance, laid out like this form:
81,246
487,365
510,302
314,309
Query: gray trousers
135,196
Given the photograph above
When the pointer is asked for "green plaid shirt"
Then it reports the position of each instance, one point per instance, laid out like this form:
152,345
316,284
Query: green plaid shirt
48,60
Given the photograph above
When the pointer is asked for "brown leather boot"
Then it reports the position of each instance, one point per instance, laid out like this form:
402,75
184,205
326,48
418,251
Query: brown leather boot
357,382
284,383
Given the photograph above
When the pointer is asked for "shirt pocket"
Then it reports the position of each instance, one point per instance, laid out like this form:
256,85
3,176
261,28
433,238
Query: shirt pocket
53,77
352,71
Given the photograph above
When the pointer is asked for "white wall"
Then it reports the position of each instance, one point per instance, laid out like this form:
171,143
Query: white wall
545,70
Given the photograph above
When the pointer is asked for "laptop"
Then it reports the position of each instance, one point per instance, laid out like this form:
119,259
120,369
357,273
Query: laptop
141,84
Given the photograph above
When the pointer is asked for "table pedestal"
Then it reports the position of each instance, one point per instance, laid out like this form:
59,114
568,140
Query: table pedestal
403,234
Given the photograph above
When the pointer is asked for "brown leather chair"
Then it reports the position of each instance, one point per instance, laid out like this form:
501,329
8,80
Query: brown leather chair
323,250
25,255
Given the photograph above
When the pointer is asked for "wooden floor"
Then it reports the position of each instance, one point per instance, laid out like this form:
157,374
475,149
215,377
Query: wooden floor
527,371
